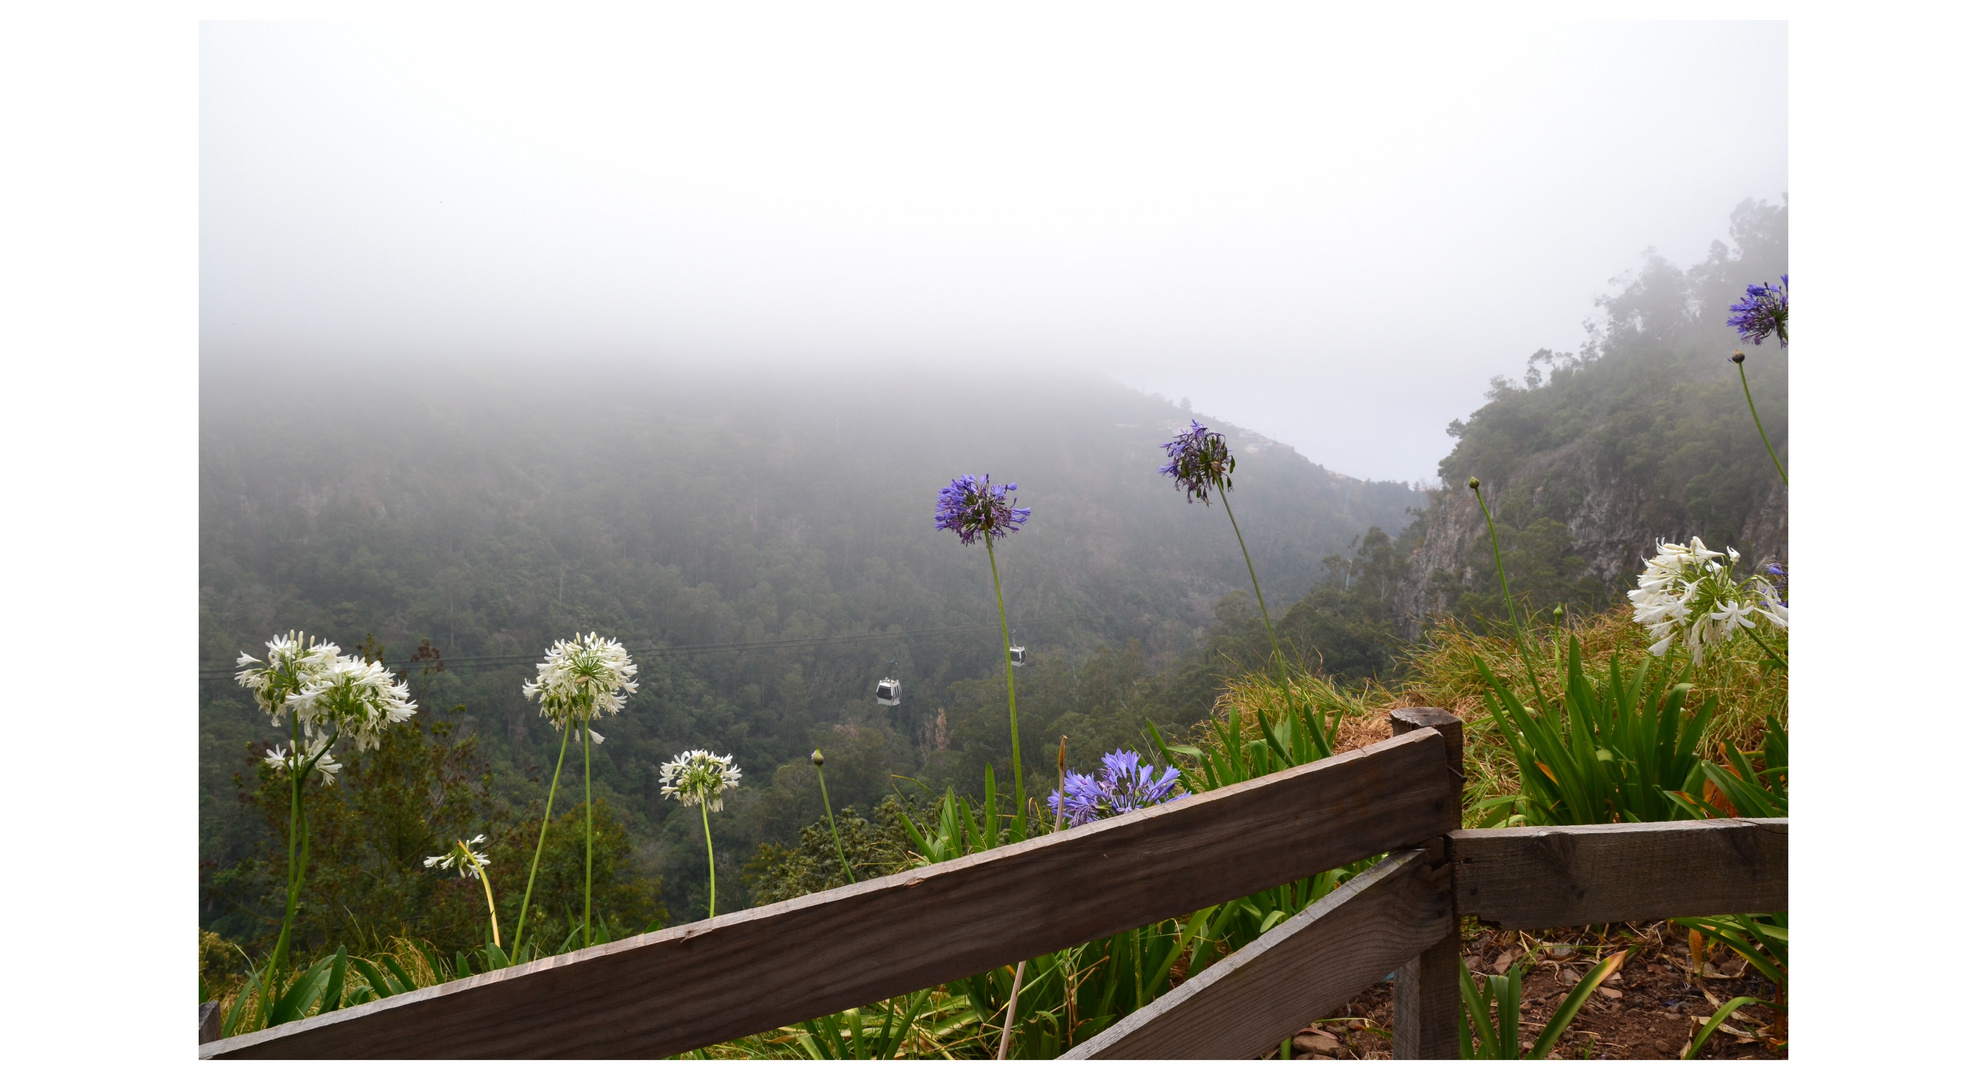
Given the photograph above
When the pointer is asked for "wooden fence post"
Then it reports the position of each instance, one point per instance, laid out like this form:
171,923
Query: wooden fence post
1427,996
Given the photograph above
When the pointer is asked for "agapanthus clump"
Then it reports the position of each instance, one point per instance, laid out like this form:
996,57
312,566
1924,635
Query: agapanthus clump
580,679
324,695
292,659
1124,784
700,778
974,508
355,698
465,860
1688,593
1199,462
1762,313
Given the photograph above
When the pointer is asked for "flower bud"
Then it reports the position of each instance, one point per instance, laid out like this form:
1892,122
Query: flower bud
1473,483
1558,612
1738,357
817,759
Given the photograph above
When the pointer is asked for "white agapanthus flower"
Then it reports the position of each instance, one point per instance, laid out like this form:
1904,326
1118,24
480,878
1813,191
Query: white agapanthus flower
700,778
283,761
293,659
464,859
580,679
1687,593
352,697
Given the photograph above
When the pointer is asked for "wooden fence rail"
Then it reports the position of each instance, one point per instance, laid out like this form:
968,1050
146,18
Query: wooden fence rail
751,971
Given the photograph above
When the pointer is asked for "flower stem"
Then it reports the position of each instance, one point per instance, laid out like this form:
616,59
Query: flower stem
517,942
712,853
281,954
1013,714
1770,650
586,754
1517,627
1762,427
1282,674
1013,999
819,775
488,896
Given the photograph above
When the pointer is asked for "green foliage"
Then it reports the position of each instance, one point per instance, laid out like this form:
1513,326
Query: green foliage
1540,561
1346,625
1503,1041
1648,421
1600,753
1230,753
851,1036
1761,940
1748,790
409,798
341,980
624,900
875,848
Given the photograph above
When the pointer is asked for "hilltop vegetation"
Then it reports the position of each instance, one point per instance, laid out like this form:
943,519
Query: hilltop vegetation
1643,434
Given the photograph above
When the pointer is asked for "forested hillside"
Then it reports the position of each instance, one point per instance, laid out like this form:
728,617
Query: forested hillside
477,516
766,551
1644,434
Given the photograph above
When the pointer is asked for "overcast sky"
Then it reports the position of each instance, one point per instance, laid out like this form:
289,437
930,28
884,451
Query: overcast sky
1333,233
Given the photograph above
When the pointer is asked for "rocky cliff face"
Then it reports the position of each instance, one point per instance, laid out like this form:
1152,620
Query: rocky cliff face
1610,527
1645,436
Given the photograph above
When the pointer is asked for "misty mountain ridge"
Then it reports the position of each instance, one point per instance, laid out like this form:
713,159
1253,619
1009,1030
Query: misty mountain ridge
490,513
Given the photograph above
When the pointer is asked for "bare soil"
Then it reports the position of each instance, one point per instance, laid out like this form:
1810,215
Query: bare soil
1648,1010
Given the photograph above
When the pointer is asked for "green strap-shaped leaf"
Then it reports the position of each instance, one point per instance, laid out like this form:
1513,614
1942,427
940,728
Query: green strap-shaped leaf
400,973
1710,1025
378,982
334,985
1575,998
297,1000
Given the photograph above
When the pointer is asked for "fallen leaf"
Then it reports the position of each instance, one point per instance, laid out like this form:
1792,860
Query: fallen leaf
1505,959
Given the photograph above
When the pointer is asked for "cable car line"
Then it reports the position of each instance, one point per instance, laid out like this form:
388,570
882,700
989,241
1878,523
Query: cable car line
500,660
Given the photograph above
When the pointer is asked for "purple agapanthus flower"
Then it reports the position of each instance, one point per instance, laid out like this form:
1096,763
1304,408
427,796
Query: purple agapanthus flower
1121,786
974,507
1762,312
1198,461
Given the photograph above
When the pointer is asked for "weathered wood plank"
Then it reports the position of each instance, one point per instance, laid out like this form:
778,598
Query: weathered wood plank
1303,969
1533,878
1427,998
750,971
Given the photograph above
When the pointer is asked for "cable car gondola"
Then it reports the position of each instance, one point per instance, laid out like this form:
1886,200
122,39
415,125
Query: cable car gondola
888,690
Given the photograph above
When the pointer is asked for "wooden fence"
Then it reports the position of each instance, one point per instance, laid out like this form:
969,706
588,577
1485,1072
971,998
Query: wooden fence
750,971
